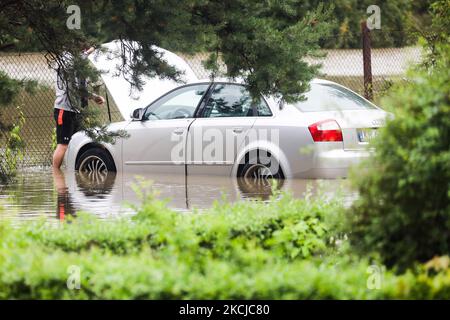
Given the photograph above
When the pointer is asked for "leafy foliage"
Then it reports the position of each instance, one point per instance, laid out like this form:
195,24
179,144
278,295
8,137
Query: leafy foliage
14,145
264,42
346,32
290,227
13,149
10,88
89,121
248,250
403,214
404,209
432,29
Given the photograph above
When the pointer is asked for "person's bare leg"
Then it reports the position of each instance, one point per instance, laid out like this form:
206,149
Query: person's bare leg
58,155
59,181
63,204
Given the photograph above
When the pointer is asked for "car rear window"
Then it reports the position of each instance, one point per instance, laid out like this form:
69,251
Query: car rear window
332,97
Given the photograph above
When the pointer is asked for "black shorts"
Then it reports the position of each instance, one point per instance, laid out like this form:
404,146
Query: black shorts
65,125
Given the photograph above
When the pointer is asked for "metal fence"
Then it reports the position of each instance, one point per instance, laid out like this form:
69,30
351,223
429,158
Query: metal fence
342,66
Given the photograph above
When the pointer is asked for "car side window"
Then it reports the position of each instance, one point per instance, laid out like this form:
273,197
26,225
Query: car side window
178,104
232,100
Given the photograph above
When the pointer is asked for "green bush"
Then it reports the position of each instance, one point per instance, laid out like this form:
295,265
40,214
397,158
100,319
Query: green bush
248,250
12,152
403,212
289,227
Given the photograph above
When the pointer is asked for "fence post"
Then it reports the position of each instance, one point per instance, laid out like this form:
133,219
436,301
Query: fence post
367,60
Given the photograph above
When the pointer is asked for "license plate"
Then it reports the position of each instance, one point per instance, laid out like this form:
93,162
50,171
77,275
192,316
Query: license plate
366,135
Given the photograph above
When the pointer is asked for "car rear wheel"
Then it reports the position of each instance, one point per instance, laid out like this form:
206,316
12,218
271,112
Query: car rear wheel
260,168
96,161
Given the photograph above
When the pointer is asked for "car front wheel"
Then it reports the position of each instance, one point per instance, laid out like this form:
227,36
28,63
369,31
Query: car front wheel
96,160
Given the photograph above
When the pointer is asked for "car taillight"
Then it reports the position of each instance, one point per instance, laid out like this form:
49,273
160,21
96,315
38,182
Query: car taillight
327,130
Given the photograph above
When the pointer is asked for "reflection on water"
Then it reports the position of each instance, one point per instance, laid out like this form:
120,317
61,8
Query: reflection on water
258,189
38,193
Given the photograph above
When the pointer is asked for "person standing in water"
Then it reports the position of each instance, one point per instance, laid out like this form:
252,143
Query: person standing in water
65,112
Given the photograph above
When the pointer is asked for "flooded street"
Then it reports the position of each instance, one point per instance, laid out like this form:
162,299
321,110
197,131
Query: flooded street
39,193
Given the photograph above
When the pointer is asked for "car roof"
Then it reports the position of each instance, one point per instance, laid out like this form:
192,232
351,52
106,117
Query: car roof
241,80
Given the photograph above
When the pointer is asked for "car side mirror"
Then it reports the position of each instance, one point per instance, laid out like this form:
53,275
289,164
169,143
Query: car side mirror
136,114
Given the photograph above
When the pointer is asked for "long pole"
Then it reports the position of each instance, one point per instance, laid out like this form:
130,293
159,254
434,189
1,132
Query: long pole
367,61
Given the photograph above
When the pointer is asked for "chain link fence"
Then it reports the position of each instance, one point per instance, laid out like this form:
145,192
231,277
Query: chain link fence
345,66
342,66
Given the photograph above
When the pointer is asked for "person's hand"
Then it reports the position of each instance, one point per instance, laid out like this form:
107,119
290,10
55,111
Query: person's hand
98,99
89,51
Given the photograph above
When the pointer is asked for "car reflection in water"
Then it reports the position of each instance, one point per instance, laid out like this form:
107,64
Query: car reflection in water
107,194
97,185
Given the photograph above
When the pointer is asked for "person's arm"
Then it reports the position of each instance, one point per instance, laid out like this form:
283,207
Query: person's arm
98,99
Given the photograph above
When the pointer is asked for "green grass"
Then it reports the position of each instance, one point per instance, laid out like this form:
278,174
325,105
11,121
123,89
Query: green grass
285,249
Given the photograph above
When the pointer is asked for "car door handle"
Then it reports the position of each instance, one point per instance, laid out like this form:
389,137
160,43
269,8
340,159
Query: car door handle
178,131
238,130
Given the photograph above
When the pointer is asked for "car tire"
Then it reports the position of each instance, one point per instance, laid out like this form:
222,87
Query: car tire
96,160
260,167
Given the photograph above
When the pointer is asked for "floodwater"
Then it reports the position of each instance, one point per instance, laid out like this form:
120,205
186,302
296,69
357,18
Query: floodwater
55,195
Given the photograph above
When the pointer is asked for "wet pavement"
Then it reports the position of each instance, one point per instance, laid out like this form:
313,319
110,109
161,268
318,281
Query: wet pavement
56,194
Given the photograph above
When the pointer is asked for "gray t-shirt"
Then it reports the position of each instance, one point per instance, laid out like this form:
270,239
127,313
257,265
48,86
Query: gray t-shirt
62,100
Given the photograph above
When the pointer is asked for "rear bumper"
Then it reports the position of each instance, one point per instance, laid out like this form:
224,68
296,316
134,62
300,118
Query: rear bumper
331,164
339,158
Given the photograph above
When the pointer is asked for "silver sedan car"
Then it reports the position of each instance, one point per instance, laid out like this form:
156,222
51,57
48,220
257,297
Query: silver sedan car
217,128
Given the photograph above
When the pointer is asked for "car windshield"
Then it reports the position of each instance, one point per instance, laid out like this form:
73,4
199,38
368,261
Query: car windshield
332,97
